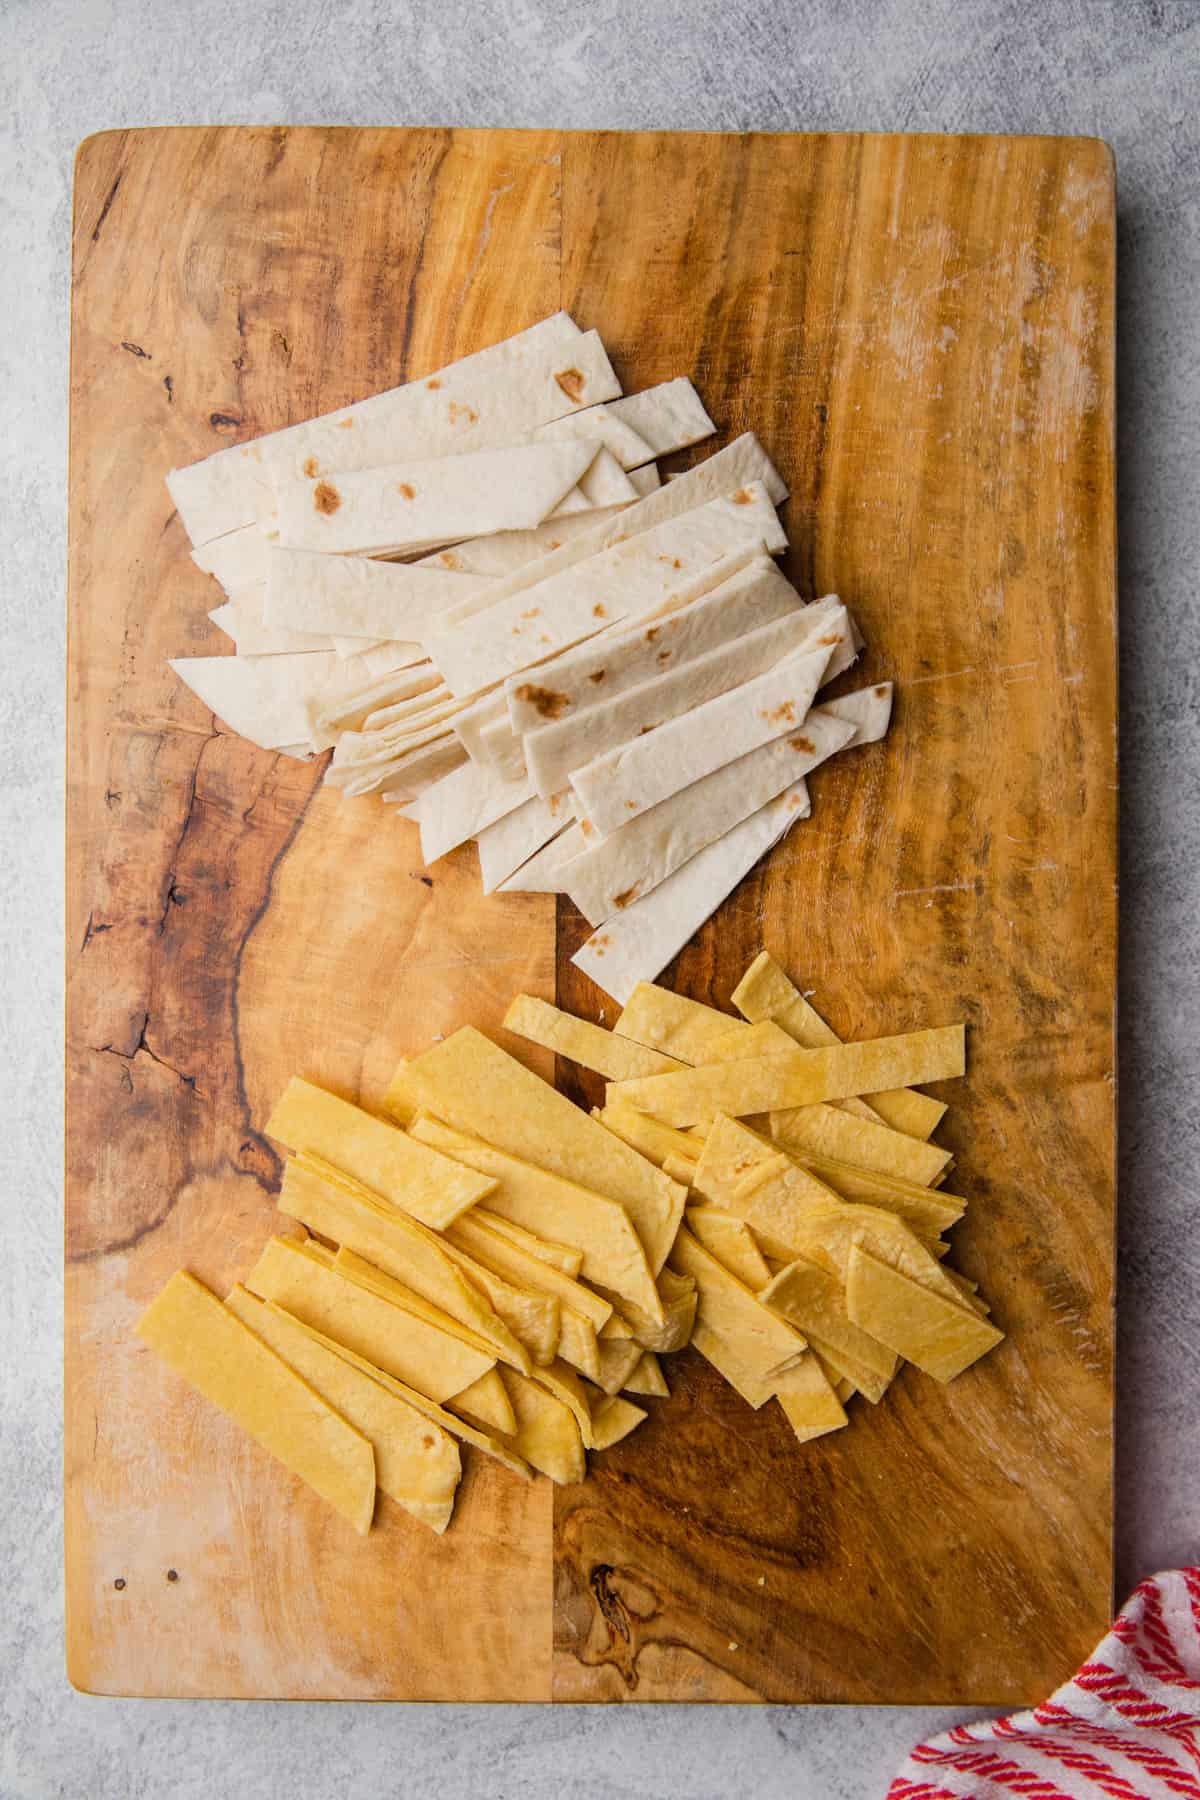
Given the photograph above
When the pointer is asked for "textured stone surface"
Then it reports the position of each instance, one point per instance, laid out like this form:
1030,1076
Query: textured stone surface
1124,72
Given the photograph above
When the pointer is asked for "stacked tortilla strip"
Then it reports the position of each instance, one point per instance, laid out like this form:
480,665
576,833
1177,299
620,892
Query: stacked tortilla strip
483,1262
477,592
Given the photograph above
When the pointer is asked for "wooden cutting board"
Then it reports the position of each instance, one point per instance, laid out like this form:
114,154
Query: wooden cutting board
921,331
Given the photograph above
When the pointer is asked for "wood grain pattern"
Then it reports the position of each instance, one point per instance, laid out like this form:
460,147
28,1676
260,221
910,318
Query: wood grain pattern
921,331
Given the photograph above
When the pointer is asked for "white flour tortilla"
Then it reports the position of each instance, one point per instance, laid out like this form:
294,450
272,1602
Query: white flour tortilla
502,553
358,597
645,480
628,446
407,506
617,786
262,698
603,483
511,841
669,417
242,620
239,560
638,944
463,805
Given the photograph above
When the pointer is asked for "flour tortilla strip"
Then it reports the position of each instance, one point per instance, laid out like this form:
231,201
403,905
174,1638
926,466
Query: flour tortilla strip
809,1401
547,1434
342,706
925,1329
357,1314
765,992
408,506
868,709
628,579
346,647
540,874
478,1088
473,718
648,1378
263,698
358,597
219,1356
731,1241
418,1180
814,1301
512,840
410,775
865,1143
554,1206
379,656
668,417
556,751
222,493
660,1143
766,1344
243,620
339,1208
603,483
602,426
501,751
238,561
591,1046
645,480
504,553
637,944
618,785
746,590
609,876
416,1463
613,1418
800,1078
463,804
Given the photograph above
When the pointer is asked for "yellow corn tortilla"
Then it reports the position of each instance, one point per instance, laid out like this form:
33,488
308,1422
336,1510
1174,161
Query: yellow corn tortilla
342,1209
772,1083
646,1135
841,1368
578,1343
591,1046
749,1178
533,1318
568,1386
679,1168
726,1359
648,1378
940,1336
765,1343
564,1257
486,1401
388,1335
678,1294
672,1023
498,1253
547,1434
613,1419
600,1228
416,1463
476,1087
620,1353
863,1143
224,1360
808,1400
731,1241
765,992
924,1210
412,1176
814,1301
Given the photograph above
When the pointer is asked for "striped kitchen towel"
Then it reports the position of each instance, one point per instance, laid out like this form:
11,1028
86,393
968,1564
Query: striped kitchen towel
1126,1728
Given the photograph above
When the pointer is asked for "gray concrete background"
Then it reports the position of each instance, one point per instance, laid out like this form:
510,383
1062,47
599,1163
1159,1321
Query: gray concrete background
1126,71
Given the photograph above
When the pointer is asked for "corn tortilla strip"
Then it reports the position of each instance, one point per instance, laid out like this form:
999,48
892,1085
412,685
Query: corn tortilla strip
937,1335
667,417
243,621
638,944
840,1367
356,1268
564,1257
927,1211
478,1088
263,698
478,1239
578,1343
748,590
613,1418
544,1203
614,787
330,1203
825,1131
510,842
416,1463
731,1241
679,1168
680,1027
547,1434
397,1339
627,580
555,751
677,1293
765,992
486,1402
724,1355
533,1318
462,804
648,1377
619,1357
568,1386
411,1176
591,1046
765,1343
809,1402
359,598
800,1078
646,1135
231,1366
606,877
814,1301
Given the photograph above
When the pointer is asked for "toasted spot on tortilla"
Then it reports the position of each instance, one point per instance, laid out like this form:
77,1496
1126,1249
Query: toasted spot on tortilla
346,424
622,900
312,468
881,692
599,611
784,714
802,743
407,489
531,612
449,560
831,637
571,381
597,676
326,498
587,828
631,805
652,634
663,656
671,561
545,701
468,413
433,382
743,497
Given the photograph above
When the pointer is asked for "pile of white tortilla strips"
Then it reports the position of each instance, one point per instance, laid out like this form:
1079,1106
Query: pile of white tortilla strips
477,590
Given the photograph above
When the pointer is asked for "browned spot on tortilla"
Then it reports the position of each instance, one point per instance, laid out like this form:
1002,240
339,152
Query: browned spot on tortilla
407,489
468,413
622,900
599,943
631,805
599,611
587,828
545,638
671,561
571,381
652,634
449,560
831,637
554,543
881,692
597,675
545,701
345,424
326,498
312,468
793,802
532,613
645,729
739,1168
802,743
663,656
781,715
743,497
427,1440
433,382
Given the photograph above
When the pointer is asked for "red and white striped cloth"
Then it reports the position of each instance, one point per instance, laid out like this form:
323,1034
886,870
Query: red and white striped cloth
1126,1728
